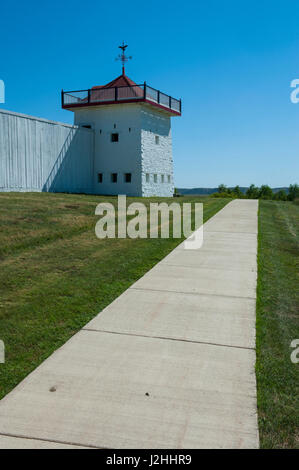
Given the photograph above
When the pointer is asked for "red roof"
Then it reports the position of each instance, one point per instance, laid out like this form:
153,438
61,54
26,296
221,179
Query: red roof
126,89
122,80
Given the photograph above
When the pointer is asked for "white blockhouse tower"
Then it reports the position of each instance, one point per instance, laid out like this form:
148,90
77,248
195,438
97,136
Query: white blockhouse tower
132,135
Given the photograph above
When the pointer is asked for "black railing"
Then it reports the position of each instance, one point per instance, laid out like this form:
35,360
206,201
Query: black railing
123,93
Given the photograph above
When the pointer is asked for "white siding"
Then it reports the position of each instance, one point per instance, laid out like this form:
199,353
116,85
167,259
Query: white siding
41,155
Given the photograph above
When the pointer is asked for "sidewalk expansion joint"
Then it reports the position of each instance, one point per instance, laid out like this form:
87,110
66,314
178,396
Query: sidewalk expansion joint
54,441
167,338
206,267
193,293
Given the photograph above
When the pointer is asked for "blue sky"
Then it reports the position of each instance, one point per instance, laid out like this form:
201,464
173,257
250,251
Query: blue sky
231,63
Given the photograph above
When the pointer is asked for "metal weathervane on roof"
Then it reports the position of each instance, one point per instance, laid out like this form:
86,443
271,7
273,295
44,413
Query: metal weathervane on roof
122,57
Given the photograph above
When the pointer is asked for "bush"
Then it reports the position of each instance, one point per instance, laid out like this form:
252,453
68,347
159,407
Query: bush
280,196
264,192
293,192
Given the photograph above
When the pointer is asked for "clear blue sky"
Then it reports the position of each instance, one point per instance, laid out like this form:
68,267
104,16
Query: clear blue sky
231,62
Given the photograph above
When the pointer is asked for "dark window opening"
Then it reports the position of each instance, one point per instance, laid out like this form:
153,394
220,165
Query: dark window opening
129,129
114,126
100,177
128,177
114,137
87,126
114,177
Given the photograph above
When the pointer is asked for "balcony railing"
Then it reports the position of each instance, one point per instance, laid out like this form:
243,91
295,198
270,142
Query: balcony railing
142,92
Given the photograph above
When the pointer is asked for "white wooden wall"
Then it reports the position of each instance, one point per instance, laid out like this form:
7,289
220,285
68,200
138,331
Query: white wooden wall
41,155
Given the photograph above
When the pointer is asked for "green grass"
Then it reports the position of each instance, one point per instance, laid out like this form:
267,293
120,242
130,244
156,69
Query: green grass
277,324
56,275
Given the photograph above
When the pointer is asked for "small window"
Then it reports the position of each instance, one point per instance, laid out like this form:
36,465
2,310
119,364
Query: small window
87,126
155,178
168,179
129,129
114,137
113,177
100,131
162,178
157,139
128,177
147,177
100,177
114,126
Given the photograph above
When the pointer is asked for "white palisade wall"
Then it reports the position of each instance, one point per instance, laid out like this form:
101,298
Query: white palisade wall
41,155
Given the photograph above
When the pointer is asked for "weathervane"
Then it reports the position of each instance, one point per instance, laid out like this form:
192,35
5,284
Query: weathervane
122,57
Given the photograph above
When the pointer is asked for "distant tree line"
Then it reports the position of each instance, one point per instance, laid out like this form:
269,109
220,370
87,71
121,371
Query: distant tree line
264,192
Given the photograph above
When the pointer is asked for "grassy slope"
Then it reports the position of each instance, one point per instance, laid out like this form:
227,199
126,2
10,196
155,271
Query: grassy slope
277,324
56,275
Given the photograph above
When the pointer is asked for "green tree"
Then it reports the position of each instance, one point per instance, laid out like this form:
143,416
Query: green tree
265,192
237,191
293,192
222,188
252,192
281,195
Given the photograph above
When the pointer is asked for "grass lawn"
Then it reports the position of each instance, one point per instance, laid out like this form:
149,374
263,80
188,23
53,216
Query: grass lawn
277,324
56,275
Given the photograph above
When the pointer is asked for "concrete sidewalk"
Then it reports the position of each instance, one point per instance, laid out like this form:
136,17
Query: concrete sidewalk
169,364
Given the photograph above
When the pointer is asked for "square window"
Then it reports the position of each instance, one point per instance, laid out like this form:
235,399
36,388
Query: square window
128,177
100,177
162,178
114,137
157,139
147,177
113,177
155,178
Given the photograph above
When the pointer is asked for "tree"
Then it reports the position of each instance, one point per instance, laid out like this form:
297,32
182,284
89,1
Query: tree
293,192
265,192
237,191
252,192
281,195
222,188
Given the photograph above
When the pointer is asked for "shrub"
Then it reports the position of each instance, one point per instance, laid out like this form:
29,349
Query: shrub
280,196
293,192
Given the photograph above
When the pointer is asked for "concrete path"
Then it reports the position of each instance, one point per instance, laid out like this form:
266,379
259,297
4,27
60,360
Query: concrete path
169,364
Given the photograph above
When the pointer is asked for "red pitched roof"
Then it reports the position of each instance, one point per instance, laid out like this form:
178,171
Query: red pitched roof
123,84
122,80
